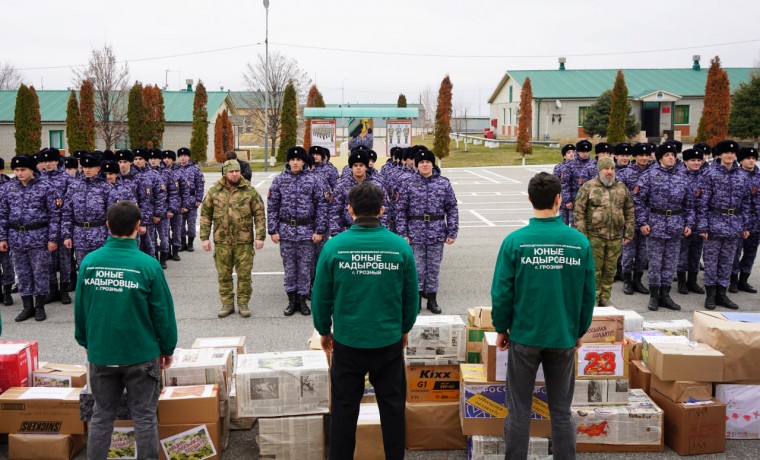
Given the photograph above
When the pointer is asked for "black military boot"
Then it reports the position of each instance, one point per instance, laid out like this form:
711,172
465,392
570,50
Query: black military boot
302,307
743,285
691,283
65,298
432,303
423,294
666,301
619,275
175,253
733,285
627,283
54,294
710,297
14,289
292,304
39,308
637,286
28,311
654,298
722,300
190,247
7,298
162,257
682,289
183,244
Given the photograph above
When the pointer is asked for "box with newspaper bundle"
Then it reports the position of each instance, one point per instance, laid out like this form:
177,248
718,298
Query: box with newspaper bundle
672,327
494,448
632,321
438,337
286,438
237,422
600,392
285,383
201,366
236,345
60,375
18,360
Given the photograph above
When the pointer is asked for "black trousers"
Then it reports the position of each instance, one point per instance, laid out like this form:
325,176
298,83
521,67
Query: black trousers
387,375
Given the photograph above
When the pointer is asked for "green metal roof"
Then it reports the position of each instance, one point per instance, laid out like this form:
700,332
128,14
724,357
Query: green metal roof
361,112
372,106
582,84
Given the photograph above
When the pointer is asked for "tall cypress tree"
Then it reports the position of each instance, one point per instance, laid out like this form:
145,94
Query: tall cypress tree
26,121
153,101
525,120
443,119
73,125
620,108
87,114
199,137
401,103
219,156
288,122
713,127
312,100
136,117
228,135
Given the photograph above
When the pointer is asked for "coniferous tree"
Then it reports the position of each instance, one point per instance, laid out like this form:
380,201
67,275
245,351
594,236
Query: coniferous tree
620,109
199,137
401,101
288,122
228,134
717,106
311,101
745,110
137,117
26,121
153,101
87,115
73,125
219,156
526,119
598,118
443,119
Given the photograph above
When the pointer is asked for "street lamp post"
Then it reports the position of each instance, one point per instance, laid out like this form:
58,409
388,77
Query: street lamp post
266,89
342,104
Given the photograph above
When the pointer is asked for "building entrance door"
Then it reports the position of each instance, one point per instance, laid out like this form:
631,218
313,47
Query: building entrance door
650,118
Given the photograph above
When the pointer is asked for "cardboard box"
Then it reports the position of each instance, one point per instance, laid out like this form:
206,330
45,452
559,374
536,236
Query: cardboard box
474,338
432,383
692,429
600,392
369,435
483,408
191,440
634,342
739,341
18,360
598,361
495,360
291,438
445,431
681,391
47,446
40,410
607,325
438,336
237,422
494,448
481,318
280,384
680,327
639,376
646,341
60,375
188,404
633,321
236,345
742,409
693,361
201,366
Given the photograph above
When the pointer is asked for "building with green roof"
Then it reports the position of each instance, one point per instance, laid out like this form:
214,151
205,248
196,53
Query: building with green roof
663,101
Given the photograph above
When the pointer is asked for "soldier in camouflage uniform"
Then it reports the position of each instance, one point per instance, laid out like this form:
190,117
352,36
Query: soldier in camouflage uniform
234,207
634,258
427,218
602,150
297,219
604,213
664,213
723,218
194,181
571,176
30,223
60,260
746,250
691,246
9,275
568,154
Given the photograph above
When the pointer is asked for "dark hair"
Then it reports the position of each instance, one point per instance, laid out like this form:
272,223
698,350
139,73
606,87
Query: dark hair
122,217
231,155
542,190
366,199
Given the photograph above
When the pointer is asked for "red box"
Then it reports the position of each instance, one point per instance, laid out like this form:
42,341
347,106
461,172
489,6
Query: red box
18,360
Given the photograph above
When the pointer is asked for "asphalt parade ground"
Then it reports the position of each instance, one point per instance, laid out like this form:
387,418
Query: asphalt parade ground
492,202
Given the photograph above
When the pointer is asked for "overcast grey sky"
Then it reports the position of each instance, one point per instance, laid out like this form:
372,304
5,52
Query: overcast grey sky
505,34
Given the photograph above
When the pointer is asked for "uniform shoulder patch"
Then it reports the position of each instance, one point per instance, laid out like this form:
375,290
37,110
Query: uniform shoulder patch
636,190
754,189
698,192
163,186
58,202
147,191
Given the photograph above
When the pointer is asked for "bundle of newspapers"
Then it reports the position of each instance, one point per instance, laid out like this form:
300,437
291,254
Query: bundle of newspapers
436,340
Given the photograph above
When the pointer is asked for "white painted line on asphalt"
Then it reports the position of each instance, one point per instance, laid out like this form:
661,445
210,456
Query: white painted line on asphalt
489,202
502,209
540,170
482,176
259,184
267,273
503,178
272,175
491,193
487,222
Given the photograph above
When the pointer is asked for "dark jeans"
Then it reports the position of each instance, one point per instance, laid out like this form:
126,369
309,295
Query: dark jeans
107,385
559,372
387,374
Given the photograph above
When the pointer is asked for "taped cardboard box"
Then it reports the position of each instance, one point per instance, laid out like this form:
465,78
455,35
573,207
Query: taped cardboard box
432,383
495,360
41,410
481,318
437,336
633,321
291,438
202,441
18,360
692,429
434,426
369,434
694,361
431,361
494,448
280,384
236,422
201,366
634,342
600,392
599,361
60,375
647,341
742,409
682,391
236,345
607,325
681,327
738,340
639,376
47,446
189,404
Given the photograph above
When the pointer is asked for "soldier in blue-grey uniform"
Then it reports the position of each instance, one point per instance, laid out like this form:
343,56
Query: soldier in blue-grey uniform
83,221
171,206
194,181
622,158
634,258
170,162
428,217
143,194
9,275
325,174
746,249
340,219
723,219
571,178
123,190
60,259
297,219
602,150
691,246
155,189
30,221
71,165
664,201
568,154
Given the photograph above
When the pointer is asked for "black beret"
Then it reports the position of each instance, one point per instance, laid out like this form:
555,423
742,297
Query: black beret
358,156
727,146
623,149
142,153
108,155
109,166
296,152
90,160
125,155
566,148
693,154
424,155
49,154
23,161
603,147
705,148
662,149
183,151
78,153
170,154
156,154
316,150
583,146
641,148
71,162
746,152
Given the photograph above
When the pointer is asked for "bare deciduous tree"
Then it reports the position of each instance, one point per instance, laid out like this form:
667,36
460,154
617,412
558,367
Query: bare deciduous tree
111,93
282,69
10,78
429,101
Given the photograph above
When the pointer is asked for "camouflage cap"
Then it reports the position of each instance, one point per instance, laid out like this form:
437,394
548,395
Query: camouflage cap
605,163
230,165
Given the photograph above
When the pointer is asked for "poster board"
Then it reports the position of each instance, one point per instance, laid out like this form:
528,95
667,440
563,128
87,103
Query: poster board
323,134
398,134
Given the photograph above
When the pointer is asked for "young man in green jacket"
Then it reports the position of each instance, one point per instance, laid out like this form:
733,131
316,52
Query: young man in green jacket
366,289
124,318
542,294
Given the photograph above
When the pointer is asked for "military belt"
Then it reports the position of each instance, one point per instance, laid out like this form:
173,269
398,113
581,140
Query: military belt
297,222
666,212
427,217
90,224
727,211
26,228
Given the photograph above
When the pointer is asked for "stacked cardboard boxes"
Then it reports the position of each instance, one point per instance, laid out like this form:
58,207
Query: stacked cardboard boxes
494,448
478,323
436,340
18,360
60,375
189,422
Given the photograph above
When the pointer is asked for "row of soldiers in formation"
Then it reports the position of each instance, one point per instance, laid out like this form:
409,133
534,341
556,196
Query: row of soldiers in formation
53,213
672,215
304,209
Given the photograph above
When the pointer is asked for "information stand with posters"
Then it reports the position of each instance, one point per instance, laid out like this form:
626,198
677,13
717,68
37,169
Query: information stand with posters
398,134
323,134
